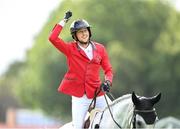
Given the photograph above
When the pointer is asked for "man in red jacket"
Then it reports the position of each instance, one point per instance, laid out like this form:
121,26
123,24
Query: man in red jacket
84,60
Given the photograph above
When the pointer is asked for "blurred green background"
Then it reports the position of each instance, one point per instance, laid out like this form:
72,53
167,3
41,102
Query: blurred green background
143,43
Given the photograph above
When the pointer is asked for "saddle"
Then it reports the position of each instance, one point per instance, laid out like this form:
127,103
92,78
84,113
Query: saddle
90,117
92,111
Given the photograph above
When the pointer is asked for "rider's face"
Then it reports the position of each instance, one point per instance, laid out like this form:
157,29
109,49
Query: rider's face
83,35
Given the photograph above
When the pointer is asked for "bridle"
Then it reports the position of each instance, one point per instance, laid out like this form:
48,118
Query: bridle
135,112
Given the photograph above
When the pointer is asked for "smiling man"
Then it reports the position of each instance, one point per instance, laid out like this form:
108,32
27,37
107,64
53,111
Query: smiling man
84,60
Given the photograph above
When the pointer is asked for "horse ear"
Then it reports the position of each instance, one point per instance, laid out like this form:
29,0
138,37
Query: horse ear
135,99
156,99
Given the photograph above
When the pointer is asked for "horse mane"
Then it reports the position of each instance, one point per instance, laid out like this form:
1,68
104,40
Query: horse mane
122,98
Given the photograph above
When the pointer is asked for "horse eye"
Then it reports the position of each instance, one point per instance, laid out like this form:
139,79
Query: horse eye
139,123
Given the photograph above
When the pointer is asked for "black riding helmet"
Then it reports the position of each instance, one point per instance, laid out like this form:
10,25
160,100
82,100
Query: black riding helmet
77,25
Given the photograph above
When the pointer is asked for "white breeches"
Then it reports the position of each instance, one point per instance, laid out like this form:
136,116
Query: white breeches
80,107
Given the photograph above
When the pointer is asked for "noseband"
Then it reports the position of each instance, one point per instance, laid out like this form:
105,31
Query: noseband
140,112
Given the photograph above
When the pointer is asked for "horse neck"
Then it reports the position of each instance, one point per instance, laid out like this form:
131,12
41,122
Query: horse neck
123,109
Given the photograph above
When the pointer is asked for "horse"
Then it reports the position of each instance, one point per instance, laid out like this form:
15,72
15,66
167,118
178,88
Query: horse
169,122
128,111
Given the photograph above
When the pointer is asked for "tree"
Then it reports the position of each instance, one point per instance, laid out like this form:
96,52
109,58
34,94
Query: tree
133,32
7,96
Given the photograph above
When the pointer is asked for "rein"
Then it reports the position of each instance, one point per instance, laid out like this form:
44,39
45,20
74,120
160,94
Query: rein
111,112
94,100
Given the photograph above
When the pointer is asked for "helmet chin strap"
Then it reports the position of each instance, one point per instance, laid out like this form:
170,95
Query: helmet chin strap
81,42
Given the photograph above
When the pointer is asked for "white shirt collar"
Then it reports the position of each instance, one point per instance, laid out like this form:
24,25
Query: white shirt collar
88,50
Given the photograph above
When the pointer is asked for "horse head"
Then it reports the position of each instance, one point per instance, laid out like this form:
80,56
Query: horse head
144,112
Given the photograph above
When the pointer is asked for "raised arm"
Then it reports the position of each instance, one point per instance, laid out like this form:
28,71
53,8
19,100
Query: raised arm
55,40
